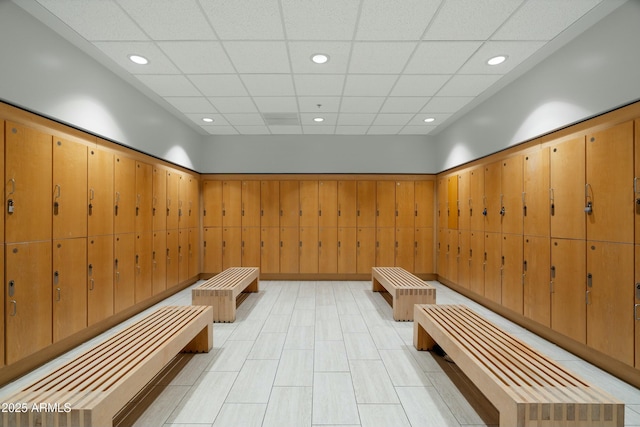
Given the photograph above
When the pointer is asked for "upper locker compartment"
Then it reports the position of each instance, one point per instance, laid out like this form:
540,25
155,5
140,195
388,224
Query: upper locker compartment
69,189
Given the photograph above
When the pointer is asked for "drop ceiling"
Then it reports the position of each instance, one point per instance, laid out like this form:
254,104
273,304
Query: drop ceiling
247,65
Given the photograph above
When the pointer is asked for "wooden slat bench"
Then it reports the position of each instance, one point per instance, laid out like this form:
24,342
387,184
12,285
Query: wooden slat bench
527,388
90,389
222,291
404,288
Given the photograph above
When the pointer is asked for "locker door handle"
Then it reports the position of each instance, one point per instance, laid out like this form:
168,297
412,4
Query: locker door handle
552,201
92,282
587,301
635,190
90,270
13,186
12,287
58,294
588,209
635,311
56,205
553,271
590,280
56,276
15,307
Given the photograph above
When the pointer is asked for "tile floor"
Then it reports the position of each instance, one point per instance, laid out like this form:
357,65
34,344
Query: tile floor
320,354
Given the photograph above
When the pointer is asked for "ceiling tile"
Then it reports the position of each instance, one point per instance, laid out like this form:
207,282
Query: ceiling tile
220,130
368,85
316,84
392,119
470,19
244,119
301,53
352,130
166,85
440,57
169,19
361,104
356,119
309,104
306,119
395,19
269,84
446,104
415,85
199,57
380,57
418,120
234,104
253,130
190,104
320,19
318,130
219,84
516,51
285,130
417,130
276,104
468,85
120,51
258,56
218,120
384,130
403,104
245,19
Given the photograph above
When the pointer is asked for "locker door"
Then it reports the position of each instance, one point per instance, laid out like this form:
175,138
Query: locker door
144,198
2,237
424,250
100,183
269,250
405,248
492,191
347,261
69,189
637,306
2,298
183,255
143,266
636,184
173,189
476,199
610,286
231,247
443,206
327,204
289,204
309,244
512,278
251,204
442,252
289,243
232,203
269,204
568,286
173,258
463,201
567,176
452,202
99,278
610,193
159,262
385,204
347,204
476,262
511,194
124,182
365,249
463,258
366,204
159,209
124,271
308,203
328,250
69,290
385,246
251,246
452,255
405,204
183,201
193,208
212,256
194,252
28,299
536,193
424,204
536,267
212,203
28,169
493,267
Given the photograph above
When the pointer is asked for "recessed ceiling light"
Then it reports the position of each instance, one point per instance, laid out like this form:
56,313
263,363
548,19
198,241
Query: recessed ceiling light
429,120
320,58
140,60
318,119
207,119
497,60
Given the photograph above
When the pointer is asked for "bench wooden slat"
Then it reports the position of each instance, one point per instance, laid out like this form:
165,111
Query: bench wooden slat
404,288
221,291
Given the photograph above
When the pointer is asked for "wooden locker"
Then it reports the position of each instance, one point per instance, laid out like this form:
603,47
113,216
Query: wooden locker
124,271
492,191
366,204
327,204
493,267
143,266
251,204
567,178
512,278
231,247
99,278
424,204
144,198
183,201
212,247
2,237
365,249
327,250
69,290
536,273
452,255
308,203
309,248
232,203
442,216
193,207
2,298
405,204
424,250
269,204
69,189
269,250
347,261
385,247
173,258
183,255
289,243
536,183
101,190
289,204
610,193
159,203
476,203
194,252
610,300
636,306
636,185
463,201
251,246
347,204
405,248
28,301
463,259
476,262
159,262
442,253
124,183
511,195
173,190
28,174
568,287
212,203
452,202
385,204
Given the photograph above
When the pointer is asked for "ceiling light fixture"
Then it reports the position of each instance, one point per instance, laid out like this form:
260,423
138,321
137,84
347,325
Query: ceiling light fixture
318,119
207,119
137,59
320,58
429,120
497,60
